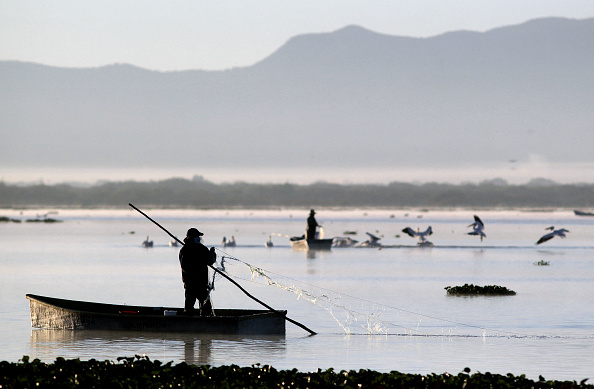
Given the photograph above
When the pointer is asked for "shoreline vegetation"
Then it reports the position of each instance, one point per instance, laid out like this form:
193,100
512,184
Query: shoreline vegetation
202,194
141,372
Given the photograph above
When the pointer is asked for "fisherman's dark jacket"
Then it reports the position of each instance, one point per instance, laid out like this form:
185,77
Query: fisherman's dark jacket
194,259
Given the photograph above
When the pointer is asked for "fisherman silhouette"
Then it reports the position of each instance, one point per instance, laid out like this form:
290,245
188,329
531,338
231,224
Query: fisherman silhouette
194,259
312,224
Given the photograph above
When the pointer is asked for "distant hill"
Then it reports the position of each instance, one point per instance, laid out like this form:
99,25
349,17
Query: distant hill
349,98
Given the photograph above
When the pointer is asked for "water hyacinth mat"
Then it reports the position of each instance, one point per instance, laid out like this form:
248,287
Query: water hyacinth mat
141,372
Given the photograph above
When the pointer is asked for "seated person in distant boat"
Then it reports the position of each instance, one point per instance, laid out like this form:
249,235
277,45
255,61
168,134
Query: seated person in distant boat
194,259
312,224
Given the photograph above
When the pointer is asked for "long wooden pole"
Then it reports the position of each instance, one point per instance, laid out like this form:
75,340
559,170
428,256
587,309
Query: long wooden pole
227,277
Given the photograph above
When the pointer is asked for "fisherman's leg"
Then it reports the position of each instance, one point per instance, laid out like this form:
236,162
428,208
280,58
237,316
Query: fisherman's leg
190,300
205,305
206,308
309,234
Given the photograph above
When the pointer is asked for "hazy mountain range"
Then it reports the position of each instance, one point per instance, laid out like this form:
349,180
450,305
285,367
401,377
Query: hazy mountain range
350,98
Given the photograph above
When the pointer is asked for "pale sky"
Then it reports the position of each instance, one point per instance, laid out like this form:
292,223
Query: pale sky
211,35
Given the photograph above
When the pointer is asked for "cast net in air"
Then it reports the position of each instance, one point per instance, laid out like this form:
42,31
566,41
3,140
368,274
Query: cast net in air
353,315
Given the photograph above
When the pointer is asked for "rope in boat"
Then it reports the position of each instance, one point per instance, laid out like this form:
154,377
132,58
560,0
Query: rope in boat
257,271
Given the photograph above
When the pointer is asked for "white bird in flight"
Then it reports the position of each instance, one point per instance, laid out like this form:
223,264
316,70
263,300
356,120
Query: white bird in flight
373,241
422,236
560,233
478,228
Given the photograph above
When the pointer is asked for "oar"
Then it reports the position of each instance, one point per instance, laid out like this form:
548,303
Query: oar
228,278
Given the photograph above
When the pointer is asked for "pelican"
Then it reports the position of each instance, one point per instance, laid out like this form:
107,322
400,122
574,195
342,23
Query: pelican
344,242
477,228
147,242
422,236
560,233
373,241
229,243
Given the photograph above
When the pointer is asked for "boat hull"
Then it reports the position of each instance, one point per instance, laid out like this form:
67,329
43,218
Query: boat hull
312,244
54,313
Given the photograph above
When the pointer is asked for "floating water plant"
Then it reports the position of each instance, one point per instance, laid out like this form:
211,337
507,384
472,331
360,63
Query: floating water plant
5,219
542,263
475,290
141,372
44,220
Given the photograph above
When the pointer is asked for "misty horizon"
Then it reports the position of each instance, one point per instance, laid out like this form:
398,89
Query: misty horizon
351,106
513,173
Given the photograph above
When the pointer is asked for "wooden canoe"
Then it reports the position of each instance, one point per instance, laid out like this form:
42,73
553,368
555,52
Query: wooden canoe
300,243
582,213
55,313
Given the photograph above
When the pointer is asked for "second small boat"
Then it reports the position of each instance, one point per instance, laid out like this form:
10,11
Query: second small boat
300,243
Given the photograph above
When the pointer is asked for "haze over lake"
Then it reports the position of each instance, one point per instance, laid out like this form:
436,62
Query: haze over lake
352,105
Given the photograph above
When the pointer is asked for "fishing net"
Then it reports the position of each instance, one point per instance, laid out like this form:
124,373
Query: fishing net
352,314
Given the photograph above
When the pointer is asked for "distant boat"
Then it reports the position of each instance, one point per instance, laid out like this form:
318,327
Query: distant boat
316,240
300,243
582,213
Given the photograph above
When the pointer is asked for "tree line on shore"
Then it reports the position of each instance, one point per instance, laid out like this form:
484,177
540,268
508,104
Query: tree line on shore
200,193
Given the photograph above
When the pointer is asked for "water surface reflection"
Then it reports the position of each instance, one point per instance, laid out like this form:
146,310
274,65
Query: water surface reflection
202,349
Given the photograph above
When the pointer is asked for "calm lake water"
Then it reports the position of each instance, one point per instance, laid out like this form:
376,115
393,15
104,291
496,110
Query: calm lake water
383,309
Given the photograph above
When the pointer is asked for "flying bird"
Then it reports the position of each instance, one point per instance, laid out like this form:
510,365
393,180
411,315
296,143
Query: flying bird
478,228
422,236
373,241
560,233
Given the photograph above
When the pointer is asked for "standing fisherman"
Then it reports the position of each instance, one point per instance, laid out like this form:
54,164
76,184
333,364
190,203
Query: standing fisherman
194,259
312,224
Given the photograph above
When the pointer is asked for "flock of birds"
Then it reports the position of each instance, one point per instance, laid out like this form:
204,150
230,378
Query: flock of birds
478,228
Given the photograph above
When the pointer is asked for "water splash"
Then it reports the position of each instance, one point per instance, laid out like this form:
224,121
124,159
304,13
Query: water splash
358,316
353,315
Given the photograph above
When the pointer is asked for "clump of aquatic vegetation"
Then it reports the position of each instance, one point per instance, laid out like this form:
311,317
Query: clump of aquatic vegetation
141,372
6,219
474,290
43,220
542,263
38,219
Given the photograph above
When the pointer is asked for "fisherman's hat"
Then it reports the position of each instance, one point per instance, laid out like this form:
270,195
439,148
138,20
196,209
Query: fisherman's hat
192,232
